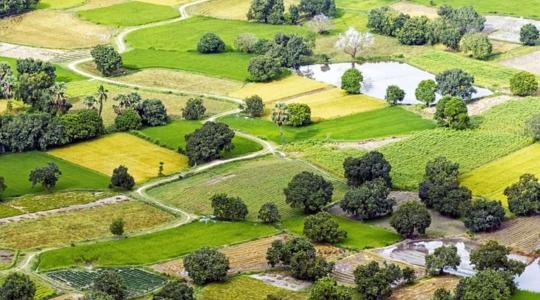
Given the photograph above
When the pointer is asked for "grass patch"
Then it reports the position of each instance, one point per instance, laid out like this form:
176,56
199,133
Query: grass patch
35,203
129,14
141,157
8,211
65,228
372,124
244,287
17,166
525,295
154,247
62,74
255,181
59,4
525,8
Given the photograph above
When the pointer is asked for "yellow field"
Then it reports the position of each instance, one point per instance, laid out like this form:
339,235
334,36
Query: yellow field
107,153
491,179
284,89
228,9
335,103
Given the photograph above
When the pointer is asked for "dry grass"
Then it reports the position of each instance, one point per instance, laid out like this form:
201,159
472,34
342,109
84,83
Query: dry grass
424,289
528,62
415,9
284,89
92,4
65,228
228,9
142,158
334,103
522,234
52,29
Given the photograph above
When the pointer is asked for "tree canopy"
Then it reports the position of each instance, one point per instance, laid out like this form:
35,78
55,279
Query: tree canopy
308,191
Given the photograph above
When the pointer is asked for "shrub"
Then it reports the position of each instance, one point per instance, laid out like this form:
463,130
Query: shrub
452,112
153,112
483,215
253,106
229,208
122,179
108,60
533,127
299,114
369,200
17,286
111,284
528,35
477,45
409,218
308,191
47,176
117,227
523,84
269,213
246,42
394,94
206,265
351,81
208,142
494,256
326,288
127,120
210,43
455,82
194,109
264,68
415,31
524,196
175,290
443,257
311,8
367,168
82,125
425,92
321,228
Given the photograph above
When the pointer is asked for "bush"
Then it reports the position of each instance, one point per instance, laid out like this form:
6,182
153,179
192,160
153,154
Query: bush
246,42
206,265
442,294
253,106
320,24
524,196
476,45
452,112
264,68
210,43
82,125
108,60
111,284
122,179
409,218
312,8
308,191
299,114
415,31
394,94
455,82
127,120
208,142
351,81
450,36
117,227
326,288
528,35
175,290
483,215
533,127
367,168
229,208
523,84
425,92
269,213
17,286
321,228
369,201
194,109
9,8
443,257
153,112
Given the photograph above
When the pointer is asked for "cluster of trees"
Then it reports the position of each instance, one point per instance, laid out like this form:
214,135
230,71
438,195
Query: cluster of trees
108,61
9,8
529,35
374,282
132,112
273,11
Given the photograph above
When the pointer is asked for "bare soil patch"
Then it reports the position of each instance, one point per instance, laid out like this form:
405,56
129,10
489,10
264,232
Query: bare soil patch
424,289
522,234
283,281
6,257
20,52
415,9
369,144
529,62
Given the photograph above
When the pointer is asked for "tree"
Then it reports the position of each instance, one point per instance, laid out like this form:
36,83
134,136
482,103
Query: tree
290,50
466,19
122,179
312,8
494,256
409,218
488,284
483,215
353,42
477,45
59,103
9,8
386,21
452,112
524,196
206,265
308,191
280,117
3,186
442,294
29,131
326,288
425,92
394,94
367,168
253,106
47,176
264,68
320,24
110,283
7,81
533,127
153,112
455,82
523,84
529,34
267,11
321,228
299,115
450,36
17,286
208,142
102,97
127,120
369,200
126,101
35,83
108,61
175,290
210,43
415,31
269,213
282,252
276,15
229,208
374,282
443,257
194,109
117,227
351,81
293,15
83,125
245,42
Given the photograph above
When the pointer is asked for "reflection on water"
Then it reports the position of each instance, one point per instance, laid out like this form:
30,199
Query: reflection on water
530,279
378,76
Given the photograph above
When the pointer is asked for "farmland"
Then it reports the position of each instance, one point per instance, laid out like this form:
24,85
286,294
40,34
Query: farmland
129,14
62,74
35,203
246,288
528,8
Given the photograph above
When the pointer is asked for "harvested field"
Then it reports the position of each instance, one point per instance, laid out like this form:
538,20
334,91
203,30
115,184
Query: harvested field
228,9
36,28
245,288
529,62
521,233
425,288
415,9
141,157
20,52
35,203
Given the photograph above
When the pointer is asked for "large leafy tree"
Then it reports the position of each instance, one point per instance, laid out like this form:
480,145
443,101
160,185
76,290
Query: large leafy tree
466,19
312,8
374,282
108,61
394,94
47,176
206,265
122,179
415,31
308,191
425,92
269,213
229,208
299,114
443,257
369,200
476,45
8,81
524,196
32,131
208,142
483,215
194,109
35,82
111,284
488,284
523,84
264,68
82,125
153,112
457,83
494,256
267,11
175,290
210,43
321,228
452,112
367,168
386,21
529,34
17,286
253,106
409,218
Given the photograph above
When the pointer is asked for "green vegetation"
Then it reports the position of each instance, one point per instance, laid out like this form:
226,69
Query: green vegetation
43,290
62,74
35,203
372,124
244,287
8,211
526,8
16,167
525,295
154,247
129,14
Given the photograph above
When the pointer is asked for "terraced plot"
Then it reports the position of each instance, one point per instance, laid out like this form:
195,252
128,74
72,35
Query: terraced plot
104,154
129,14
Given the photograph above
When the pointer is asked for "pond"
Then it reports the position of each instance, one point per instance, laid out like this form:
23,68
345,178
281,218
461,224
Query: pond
378,76
414,252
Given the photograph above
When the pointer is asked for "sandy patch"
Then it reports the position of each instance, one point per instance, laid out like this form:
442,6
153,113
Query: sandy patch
529,62
282,281
506,28
415,9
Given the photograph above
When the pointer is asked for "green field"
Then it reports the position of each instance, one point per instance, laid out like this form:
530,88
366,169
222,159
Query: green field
510,117
59,4
247,288
17,166
174,46
154,247
129,14
371,124
62,74
359,235
255,182
525,295
8,211
523,8
172,136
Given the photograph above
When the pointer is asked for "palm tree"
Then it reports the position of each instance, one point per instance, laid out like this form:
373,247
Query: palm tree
280,116
102,97
60,101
